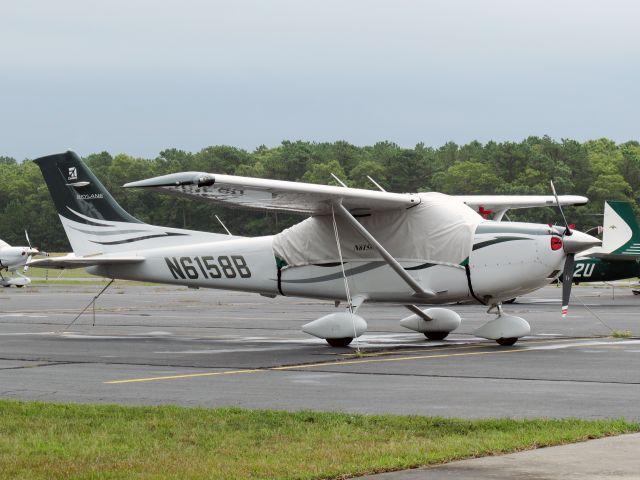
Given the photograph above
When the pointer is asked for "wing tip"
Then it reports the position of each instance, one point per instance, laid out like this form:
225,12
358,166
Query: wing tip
200,179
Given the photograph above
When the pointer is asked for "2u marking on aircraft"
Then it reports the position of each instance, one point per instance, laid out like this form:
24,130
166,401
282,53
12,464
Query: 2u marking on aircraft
584,270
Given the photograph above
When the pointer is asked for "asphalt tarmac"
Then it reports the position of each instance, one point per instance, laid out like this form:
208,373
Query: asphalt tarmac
172,345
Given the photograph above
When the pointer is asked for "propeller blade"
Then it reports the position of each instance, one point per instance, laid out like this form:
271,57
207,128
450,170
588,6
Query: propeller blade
26,267
566,224
27,235
567,282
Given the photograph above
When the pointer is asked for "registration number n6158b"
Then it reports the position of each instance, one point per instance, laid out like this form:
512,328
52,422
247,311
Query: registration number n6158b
231,266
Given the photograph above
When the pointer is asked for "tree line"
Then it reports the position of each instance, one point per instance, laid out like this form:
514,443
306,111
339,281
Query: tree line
599,169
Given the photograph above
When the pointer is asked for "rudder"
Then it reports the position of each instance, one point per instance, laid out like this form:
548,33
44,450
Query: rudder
92,219
621,233
75,189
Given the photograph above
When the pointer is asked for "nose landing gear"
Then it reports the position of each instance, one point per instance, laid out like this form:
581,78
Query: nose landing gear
504,329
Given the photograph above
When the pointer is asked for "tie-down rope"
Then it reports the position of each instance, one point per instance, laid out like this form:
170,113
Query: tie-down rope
344,276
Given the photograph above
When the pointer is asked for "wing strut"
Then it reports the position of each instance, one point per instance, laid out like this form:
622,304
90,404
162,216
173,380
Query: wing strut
415,309
497,217
392,262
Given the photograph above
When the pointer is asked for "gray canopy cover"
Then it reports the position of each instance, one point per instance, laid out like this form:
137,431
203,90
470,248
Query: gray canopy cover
439,230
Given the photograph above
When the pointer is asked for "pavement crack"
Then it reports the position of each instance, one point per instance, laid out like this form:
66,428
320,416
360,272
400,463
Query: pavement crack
45,364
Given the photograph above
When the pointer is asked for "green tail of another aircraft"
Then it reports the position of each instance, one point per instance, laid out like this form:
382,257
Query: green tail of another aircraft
621,233
619,254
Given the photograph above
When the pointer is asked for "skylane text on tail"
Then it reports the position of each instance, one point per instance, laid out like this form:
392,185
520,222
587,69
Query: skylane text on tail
409,249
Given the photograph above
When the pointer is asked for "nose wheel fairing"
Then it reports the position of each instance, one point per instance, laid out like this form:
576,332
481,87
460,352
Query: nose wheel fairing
504,329
16,281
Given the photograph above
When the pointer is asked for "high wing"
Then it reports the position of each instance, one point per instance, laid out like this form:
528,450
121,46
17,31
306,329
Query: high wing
501,203
73,261
312,199
259,193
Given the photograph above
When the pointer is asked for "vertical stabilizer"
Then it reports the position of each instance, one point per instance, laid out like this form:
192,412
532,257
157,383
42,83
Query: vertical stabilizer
621,234
93,220
77,193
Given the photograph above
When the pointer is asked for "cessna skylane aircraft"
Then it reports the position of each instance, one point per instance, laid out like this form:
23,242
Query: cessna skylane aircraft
356,246
13,258
619,254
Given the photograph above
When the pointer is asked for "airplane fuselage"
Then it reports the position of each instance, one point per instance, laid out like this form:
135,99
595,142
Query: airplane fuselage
507,259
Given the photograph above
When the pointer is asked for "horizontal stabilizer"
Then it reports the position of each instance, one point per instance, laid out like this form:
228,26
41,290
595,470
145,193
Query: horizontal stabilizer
72,261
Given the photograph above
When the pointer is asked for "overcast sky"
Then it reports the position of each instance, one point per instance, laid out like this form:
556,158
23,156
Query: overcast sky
138,76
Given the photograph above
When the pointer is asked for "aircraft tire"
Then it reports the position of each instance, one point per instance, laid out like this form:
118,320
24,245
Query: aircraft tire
506,342
436,335
339,342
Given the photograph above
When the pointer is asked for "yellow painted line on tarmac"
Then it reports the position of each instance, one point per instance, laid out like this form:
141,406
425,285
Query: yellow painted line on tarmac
356,361
187,375
309,365
394,359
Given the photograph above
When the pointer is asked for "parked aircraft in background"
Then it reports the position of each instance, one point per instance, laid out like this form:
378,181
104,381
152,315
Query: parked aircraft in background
14,258
619,254
356,246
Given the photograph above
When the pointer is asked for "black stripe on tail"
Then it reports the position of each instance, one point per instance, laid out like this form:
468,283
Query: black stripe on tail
75,189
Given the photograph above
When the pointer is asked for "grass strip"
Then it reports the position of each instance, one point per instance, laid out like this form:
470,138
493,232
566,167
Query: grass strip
51,441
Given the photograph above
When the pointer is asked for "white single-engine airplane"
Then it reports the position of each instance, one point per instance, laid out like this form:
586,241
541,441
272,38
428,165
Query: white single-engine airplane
14,258
357,246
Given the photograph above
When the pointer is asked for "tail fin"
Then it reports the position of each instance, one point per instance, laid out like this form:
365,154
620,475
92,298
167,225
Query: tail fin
75,190
93,220
621,233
